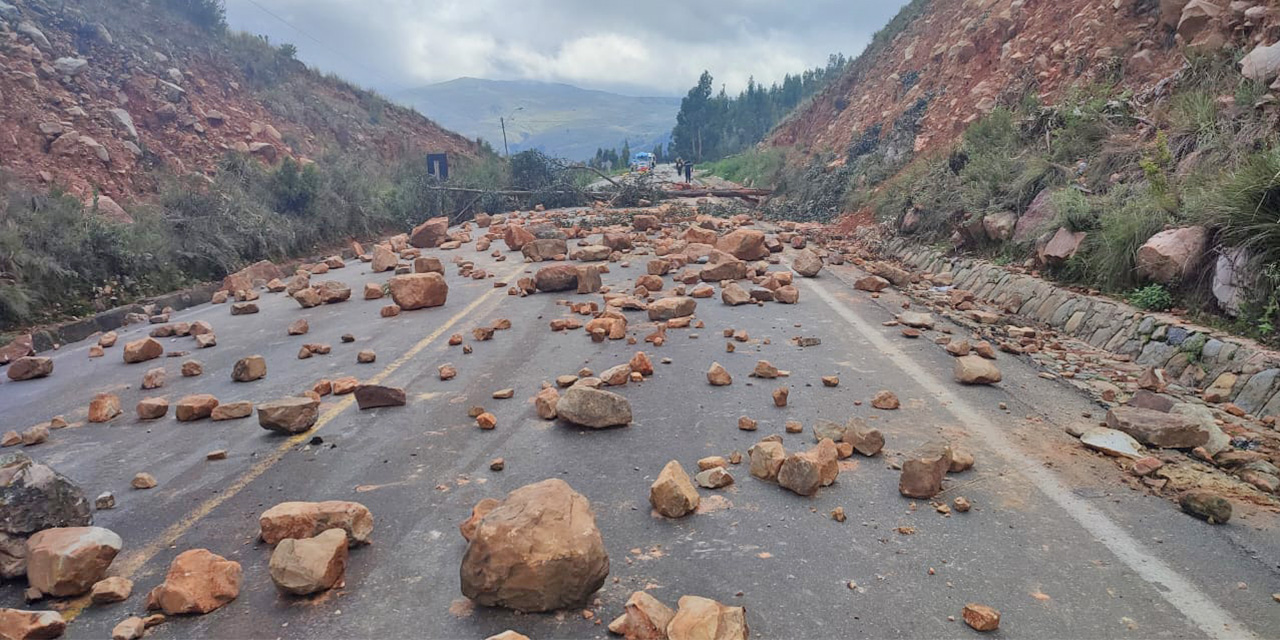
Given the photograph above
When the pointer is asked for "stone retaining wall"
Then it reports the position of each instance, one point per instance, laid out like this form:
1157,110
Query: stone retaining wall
1191,355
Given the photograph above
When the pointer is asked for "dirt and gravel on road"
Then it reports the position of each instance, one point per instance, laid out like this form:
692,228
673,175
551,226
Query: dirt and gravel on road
648,423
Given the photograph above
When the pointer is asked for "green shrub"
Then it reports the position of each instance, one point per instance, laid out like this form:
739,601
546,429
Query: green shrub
756,167
1107,259
210,15
1075,212
1152,297
1246,206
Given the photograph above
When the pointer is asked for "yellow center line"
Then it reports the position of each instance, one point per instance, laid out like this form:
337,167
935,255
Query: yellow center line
132,562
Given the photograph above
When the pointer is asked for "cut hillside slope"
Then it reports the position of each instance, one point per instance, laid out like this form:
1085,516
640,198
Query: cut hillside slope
98,93
955,60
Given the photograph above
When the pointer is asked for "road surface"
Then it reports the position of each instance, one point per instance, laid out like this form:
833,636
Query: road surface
1054,541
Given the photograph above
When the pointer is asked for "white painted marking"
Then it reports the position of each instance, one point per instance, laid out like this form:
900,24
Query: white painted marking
1201,610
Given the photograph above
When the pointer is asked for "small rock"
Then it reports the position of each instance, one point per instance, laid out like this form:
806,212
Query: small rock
886,400
1206,505
309,565
981,617
672,494
718,376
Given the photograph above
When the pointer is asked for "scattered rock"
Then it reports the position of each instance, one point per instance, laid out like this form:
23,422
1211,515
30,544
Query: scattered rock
30,368
1206,505
804,472
198,581
142,350
309,565
68,561
30,625
703,618
195,407
718,376
290,415
104,407
713,478
308,519
973,369
418,290
537,550
981,617
886,400
672,494
143,480
249,369
1158,429
373,396
807,263
766,458
109,590
922,474
593,408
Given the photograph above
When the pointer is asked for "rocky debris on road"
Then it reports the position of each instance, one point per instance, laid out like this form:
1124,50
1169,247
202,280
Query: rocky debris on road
537,550
31,625
1206,505
104,407
298,327
309,519
247,308
644,618
713,478
698,618
885,400
1158,429
766,458
142,350
718,376
195,407
546,402
231,411
249,368
972,369
68,561
152,408
373,396
594,408
1111,442
143,480
674,307
109,590
192,368
673,494
198,581
557,277
871,283
864,439
290,415
131,628
807,263
981,617
30,368
153,378
36,498
923,472
447,371
803,473
302,566
418,290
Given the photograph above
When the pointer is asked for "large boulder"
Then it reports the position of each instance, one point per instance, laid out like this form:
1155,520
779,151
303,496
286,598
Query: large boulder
1062,246
198,581
418,290
429,234
975,369
517,236
594,408
67,561
307,519
616,241
544,249
244,279
807,263
384,259
557,277
744,244
674,307
1262,64
34,497
302,566
537,550
30,368
1158,429
673,494
804,472
1171,255
289,415
1037,219
142,350
923,472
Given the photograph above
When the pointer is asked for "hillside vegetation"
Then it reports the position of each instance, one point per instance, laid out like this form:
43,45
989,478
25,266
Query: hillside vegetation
155,148
1153,128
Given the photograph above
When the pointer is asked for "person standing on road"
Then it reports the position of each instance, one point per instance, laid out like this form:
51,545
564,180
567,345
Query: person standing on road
688,172
679,167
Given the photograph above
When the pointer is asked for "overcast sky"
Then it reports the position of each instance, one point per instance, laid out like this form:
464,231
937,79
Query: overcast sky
645,47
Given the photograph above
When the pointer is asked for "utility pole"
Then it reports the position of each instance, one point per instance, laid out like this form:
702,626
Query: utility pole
505,151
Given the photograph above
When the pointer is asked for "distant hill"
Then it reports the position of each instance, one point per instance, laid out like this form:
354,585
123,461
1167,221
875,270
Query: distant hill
559,119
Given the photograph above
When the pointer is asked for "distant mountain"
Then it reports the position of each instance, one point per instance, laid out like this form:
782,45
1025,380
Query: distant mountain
559,119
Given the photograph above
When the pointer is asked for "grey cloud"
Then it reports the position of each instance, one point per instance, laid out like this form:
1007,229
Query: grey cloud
655,47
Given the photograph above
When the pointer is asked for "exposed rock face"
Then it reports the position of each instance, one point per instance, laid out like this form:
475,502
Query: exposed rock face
35,497
701,618
307,519
1158,429
308,565
594,408
198,581
67,561
1170,256
673,494
538,550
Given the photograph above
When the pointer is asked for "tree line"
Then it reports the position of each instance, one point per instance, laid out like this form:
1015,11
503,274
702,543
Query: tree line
710,127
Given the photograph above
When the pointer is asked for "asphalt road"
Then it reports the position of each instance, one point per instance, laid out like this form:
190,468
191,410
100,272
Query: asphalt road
1055,541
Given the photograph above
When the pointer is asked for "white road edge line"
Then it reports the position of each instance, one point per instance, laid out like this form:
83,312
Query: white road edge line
1201,610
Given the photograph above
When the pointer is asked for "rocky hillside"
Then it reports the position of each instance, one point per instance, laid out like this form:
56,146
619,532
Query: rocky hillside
942,64
97,94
